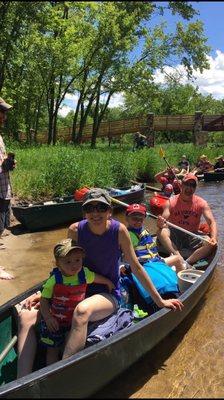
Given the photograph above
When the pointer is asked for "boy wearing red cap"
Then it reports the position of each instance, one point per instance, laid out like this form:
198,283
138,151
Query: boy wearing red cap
144,244
158,269
185,210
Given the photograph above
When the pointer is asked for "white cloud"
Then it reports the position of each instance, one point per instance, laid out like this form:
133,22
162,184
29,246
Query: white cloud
64,110
116,100
211,81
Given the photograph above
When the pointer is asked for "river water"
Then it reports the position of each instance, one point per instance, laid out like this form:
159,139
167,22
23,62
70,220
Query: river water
188,363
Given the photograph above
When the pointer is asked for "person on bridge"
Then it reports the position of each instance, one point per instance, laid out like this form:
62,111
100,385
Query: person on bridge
139,141
185,210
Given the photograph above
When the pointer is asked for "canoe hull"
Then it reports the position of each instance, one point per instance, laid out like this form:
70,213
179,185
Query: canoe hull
69,378
61,211
213,176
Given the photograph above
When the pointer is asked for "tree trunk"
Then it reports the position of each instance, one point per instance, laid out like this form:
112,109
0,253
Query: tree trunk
98,116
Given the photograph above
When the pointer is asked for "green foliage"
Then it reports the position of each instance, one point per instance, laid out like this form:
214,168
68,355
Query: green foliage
46,171
50,49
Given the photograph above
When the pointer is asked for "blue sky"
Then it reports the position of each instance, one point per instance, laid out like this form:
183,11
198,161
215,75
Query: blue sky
211,13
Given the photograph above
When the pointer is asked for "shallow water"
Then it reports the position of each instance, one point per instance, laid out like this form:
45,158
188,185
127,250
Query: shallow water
187,364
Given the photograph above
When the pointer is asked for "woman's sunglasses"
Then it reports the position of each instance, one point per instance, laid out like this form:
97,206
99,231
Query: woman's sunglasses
99,207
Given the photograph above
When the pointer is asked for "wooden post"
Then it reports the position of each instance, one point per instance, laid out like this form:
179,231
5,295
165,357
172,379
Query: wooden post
197,129
31,136
150,130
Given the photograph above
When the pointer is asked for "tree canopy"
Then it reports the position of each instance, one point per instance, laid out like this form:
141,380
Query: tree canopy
53,49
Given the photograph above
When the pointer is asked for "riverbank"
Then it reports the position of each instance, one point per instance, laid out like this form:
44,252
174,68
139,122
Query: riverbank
28,256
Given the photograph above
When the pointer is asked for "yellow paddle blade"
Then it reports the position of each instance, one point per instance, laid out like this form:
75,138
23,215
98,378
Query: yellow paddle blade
161,152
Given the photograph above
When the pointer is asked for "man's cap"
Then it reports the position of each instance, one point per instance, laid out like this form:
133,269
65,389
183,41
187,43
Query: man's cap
203,156
136,209
183,156
97,194
190,177
63,247
3,105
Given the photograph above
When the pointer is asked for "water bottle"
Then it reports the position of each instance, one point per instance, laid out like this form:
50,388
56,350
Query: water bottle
125,295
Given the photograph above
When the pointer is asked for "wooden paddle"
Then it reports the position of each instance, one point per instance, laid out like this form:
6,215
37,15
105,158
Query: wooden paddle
168,223
147,186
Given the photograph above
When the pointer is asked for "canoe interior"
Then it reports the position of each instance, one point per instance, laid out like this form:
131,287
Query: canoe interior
8,366
68,378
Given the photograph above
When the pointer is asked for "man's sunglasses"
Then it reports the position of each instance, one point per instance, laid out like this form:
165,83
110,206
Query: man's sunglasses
99,207
139,217
190,184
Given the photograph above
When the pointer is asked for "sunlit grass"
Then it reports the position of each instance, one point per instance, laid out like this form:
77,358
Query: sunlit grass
48,171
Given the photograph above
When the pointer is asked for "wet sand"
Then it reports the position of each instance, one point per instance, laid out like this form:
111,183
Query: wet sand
29,257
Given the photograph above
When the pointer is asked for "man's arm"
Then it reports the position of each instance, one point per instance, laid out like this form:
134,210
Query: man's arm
159,175
138,270
73,232
208,215
162,232
161,221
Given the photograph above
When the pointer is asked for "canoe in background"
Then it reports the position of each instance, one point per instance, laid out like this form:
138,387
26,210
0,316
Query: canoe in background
65,210
213,176
83,374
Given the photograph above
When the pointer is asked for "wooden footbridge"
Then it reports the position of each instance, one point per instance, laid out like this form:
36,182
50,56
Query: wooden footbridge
198,123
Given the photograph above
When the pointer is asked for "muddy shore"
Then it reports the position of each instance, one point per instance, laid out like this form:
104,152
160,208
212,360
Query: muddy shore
28,256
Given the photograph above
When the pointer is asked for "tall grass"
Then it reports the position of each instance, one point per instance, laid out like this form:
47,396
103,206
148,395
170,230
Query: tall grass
48,171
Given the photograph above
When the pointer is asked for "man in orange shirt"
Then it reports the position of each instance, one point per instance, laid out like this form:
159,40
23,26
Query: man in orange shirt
185,210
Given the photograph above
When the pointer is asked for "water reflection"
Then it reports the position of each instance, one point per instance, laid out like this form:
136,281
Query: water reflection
190,362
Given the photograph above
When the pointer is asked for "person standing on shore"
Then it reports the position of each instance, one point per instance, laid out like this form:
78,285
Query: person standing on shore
5,185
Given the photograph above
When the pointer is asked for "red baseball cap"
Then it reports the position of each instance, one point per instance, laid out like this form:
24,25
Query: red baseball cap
136,208
168,188
163,180
190,177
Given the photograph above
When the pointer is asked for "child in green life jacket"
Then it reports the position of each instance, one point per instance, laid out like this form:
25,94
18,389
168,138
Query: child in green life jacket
158,268
65,288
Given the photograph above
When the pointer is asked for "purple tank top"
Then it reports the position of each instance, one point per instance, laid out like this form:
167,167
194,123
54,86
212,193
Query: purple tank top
102,254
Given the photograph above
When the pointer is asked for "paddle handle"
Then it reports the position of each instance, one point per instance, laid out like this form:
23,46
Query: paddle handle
8,347
147,186
168,223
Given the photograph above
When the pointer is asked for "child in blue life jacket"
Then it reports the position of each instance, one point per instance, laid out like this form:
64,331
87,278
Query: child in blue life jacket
63,290
158,268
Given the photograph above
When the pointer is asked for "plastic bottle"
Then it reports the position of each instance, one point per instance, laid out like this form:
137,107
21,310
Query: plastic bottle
125,295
